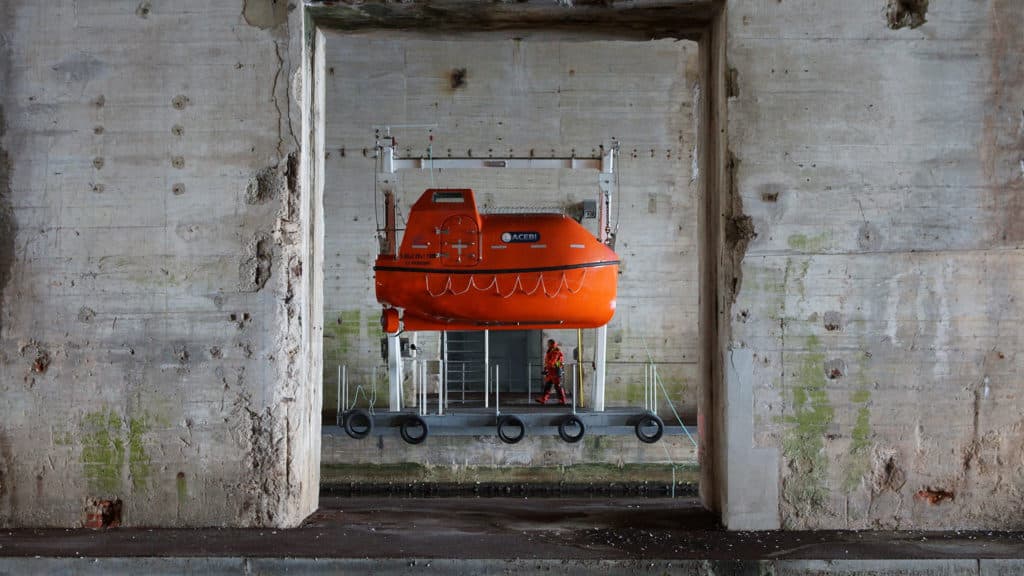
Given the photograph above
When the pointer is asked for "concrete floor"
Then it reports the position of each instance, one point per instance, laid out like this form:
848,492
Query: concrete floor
460,535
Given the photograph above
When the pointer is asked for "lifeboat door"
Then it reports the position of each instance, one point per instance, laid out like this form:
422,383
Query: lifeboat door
460,241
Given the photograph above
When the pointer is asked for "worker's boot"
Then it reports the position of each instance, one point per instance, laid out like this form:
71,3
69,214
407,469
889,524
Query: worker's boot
561,396
543,398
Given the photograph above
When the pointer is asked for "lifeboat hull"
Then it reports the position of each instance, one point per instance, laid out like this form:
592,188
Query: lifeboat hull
459,270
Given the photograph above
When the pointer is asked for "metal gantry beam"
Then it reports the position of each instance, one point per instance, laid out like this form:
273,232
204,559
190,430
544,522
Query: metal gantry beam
604,164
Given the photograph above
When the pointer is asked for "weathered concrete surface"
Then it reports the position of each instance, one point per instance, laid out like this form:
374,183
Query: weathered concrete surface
488,535
138,370
510,97
881,167
386,567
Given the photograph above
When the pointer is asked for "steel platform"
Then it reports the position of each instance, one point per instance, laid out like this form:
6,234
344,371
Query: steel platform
537,421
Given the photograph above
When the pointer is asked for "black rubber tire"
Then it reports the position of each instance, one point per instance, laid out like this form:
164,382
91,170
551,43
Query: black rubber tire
515,422
358,423
571,420
649,419
413,422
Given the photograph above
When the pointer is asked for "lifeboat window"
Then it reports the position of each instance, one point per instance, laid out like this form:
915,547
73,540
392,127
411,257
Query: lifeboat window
448,198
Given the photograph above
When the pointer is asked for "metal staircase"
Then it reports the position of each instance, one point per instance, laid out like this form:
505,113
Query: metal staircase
465,366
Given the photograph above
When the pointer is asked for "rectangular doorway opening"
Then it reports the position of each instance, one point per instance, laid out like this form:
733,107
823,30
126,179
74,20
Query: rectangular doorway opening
502,94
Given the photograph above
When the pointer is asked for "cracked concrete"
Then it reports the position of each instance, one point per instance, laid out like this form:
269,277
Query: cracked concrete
157,220
900,276
879,183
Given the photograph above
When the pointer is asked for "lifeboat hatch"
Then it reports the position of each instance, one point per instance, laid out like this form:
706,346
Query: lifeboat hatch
460,241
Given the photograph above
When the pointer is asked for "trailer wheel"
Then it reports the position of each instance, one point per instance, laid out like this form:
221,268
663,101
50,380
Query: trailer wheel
510,421
358,424
647,420
567,424
413,422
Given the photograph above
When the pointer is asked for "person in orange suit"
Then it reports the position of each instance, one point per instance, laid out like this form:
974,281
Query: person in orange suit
553,363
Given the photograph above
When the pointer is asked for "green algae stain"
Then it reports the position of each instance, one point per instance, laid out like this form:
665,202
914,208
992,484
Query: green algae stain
181,488
107,443
138,461
804,442
630,392
861,430
62,438
341,333
103,451
804,243
861,396
857,462
341,346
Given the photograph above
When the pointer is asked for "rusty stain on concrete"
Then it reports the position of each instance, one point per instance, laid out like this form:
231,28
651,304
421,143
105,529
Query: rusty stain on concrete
833,321
934,495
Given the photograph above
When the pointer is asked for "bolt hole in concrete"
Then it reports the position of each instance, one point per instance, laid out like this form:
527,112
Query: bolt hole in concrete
457,78
906,13
492,96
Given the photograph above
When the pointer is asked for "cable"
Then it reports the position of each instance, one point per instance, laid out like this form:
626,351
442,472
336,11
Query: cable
618,190
377,160
430,154
667,397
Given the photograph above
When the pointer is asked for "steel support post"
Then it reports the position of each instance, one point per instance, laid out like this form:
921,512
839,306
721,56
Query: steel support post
394,373
600,354
487,368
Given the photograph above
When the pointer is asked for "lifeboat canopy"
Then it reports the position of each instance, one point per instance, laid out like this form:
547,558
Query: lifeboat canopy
457,269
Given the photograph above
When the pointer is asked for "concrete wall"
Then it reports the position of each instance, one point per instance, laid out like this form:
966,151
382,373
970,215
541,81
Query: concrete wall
541,97
155,325
880,156
152,292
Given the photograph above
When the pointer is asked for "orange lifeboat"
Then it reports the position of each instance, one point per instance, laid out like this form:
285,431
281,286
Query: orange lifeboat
459,270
